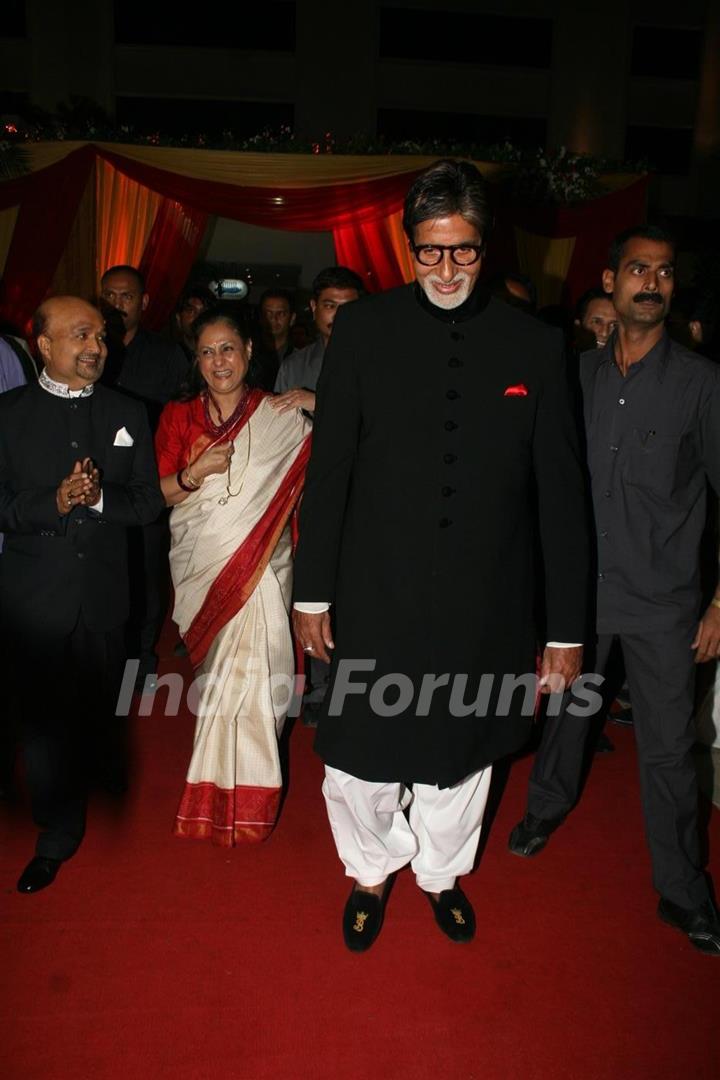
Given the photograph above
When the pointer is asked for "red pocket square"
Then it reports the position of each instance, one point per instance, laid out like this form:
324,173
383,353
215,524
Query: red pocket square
520,390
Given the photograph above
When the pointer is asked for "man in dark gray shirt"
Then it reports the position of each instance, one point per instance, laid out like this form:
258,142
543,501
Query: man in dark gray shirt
652,417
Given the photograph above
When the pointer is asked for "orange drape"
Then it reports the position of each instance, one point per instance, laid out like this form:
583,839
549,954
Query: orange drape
126,213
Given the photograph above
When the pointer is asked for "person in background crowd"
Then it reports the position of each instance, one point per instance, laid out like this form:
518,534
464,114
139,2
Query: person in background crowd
17,368
595,320
276,318
444,442
299,372
295,385
152,369
691,320
17,365
76,470
652,418
195,299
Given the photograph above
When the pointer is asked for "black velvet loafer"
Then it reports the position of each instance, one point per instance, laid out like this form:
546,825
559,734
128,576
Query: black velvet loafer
38,874
454,914
362,919
701,924
531,835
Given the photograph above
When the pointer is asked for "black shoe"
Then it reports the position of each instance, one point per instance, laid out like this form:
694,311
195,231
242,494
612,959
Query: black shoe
603,744
624,717
38,874
531,835
454,914
362,919
701,924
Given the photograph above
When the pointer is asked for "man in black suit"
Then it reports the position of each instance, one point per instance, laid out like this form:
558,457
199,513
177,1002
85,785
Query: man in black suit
76,469
444,440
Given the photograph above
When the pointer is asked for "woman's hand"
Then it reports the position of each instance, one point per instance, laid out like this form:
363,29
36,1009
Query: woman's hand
213,460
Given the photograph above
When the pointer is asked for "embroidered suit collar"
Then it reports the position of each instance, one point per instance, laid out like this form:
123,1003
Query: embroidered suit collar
58,389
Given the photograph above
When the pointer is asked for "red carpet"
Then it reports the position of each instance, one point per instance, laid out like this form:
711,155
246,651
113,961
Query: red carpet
157,957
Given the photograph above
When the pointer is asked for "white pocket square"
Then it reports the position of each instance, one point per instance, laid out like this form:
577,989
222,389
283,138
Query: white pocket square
123,438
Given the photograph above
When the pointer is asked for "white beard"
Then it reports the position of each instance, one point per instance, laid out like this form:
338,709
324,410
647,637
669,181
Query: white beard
447,302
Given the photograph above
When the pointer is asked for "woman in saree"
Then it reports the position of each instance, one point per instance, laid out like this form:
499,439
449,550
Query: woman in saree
232,469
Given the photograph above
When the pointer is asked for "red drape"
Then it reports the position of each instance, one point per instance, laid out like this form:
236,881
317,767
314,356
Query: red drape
593,223
168,257
368,245
296,209
48,202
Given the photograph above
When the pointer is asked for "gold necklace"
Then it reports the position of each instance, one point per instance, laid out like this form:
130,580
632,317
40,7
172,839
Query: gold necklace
224,499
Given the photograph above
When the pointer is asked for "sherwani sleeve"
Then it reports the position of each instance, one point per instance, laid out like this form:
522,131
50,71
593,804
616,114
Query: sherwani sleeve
29,511
563,505
335,442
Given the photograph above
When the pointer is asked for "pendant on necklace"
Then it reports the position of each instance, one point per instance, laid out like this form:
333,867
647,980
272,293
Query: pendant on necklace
223,500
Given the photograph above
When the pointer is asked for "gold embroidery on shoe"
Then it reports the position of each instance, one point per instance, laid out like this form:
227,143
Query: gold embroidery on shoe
360,920
457,916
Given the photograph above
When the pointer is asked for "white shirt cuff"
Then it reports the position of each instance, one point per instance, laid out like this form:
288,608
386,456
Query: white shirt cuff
564,644
309,608
98,507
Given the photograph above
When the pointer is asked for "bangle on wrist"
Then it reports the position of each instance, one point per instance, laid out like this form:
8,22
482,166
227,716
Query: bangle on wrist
190,483
715,602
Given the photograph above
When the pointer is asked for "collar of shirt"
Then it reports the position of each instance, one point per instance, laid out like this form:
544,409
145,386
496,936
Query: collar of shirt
476,303
657,358
59,389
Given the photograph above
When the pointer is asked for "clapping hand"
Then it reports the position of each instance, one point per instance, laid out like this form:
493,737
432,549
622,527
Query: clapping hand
80,488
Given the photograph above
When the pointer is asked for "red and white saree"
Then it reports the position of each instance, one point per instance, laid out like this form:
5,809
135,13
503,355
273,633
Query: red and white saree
231,565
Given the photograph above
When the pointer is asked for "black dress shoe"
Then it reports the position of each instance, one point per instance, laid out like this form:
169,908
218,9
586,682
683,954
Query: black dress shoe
531,835
454,914
362,919
701,924
38,874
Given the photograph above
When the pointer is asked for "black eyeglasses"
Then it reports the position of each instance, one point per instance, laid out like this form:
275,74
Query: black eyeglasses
461,254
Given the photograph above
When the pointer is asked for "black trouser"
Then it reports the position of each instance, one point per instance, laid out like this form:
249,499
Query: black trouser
148,549
661,676
68,690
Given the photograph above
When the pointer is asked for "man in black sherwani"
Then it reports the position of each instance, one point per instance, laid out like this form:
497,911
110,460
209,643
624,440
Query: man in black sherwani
76,469
444,446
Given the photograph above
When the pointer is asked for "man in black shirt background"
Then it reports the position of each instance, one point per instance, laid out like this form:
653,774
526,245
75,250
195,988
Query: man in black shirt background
652,417
152,369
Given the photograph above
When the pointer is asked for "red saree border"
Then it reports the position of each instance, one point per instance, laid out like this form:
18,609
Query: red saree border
235,583
226,815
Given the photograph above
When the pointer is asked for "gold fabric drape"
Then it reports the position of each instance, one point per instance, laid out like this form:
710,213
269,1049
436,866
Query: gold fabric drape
126,213
275,170
546,260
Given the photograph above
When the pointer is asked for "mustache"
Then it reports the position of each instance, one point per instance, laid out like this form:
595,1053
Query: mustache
648,297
